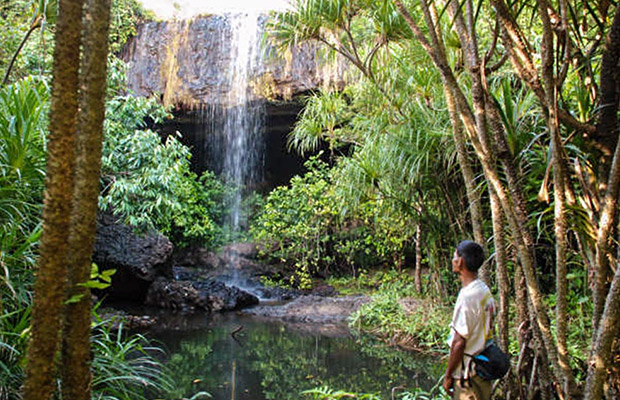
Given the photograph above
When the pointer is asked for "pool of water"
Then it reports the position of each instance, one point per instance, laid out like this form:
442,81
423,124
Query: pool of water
267,359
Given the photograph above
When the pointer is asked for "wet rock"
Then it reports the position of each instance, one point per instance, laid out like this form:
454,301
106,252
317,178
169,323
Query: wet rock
324,291
201,295
223,297
314,309
235,256
246,250
176,295
277,293
197,257
230,263
114,319
137,259
187,273
235,266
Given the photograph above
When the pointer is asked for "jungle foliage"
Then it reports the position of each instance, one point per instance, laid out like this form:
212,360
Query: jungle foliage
496,121
307,231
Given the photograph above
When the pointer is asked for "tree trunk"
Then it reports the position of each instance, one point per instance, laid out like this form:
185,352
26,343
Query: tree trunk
503,280
606,134
559,192
75,366
51,273
607,126
473,195
608,324
477,92
607,331
418,258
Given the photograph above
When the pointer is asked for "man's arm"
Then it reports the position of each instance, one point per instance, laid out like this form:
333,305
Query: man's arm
457,350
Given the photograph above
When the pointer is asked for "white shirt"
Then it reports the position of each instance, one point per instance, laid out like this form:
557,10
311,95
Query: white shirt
473,319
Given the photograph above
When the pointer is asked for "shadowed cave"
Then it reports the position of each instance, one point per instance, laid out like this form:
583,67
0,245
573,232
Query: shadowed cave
200,129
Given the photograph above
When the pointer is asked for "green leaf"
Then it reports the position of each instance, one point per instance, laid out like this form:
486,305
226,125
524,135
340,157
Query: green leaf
94,285
76,298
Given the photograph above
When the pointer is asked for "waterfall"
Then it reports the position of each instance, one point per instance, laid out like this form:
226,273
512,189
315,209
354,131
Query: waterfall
237,124
214,73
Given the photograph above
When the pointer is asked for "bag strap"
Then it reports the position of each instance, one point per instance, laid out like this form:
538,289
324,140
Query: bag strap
463,380
466,382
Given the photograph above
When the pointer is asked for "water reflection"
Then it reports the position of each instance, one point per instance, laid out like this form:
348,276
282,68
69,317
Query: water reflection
271,360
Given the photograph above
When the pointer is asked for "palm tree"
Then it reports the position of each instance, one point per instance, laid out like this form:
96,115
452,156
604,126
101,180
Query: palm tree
70,205
76,353
51,273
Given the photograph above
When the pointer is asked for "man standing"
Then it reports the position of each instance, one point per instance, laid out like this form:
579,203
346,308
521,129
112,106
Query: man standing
471,327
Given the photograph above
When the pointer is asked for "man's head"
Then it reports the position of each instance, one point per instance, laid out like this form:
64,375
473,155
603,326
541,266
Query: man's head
469,255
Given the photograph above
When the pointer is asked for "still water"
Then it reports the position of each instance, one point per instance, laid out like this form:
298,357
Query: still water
267,359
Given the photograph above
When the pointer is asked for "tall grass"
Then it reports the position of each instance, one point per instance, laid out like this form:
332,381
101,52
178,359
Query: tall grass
125,366
23,108
14,329
425,327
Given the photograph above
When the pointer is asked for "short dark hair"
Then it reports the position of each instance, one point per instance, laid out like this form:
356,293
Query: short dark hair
472,253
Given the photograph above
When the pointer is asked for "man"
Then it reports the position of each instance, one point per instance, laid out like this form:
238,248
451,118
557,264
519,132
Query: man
471,326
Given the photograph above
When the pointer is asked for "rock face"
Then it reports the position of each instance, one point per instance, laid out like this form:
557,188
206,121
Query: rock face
138,260
185,62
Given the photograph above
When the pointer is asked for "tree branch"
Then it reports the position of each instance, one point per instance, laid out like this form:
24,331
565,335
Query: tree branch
34,26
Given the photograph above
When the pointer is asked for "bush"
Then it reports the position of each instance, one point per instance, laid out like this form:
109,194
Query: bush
124,19
23,107
299,220
14,328
304,226
149,183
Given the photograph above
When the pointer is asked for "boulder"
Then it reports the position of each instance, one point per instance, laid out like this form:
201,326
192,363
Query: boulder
223,297
200,295
137,259
176,295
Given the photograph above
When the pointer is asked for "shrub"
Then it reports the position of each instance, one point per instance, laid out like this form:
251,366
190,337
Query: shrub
149,183
304,225
299,220
23,108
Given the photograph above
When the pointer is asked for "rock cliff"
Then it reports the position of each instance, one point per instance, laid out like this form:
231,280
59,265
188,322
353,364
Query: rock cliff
186,61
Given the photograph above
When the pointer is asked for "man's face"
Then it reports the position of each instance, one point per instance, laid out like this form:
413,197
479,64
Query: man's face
457,263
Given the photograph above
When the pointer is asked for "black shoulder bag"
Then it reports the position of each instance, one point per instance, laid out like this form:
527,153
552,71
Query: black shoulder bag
491,363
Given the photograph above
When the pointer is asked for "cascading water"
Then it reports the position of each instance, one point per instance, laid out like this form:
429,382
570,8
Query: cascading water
236,124
238,139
